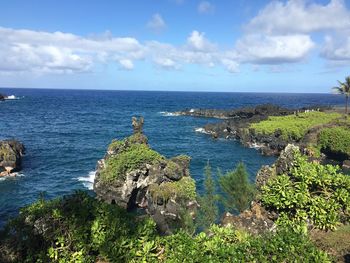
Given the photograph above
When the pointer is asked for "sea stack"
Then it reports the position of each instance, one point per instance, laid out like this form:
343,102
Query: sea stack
133,176
11,152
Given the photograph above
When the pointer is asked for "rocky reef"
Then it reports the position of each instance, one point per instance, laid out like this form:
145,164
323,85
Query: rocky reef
11,152
2,97
133,176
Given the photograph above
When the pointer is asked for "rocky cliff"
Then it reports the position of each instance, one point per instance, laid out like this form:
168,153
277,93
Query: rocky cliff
133,176
11,152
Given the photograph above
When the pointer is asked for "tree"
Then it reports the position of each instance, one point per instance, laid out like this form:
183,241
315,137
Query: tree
208,212
344,89
239,192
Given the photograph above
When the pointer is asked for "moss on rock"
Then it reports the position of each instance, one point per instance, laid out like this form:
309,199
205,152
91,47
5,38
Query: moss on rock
131,157
184,189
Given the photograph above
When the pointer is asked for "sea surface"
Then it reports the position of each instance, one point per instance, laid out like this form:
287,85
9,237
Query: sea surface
65,132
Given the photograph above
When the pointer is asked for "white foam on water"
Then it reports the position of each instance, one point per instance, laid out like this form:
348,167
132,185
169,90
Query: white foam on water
12,97
13,175
166,113
202,130
88,181
256,145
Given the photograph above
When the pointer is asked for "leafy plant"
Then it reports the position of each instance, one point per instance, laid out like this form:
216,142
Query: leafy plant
309,193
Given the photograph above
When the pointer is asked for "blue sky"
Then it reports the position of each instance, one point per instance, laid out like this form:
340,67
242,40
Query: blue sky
238,45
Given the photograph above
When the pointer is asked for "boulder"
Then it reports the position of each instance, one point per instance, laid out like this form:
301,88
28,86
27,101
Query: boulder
11,152
133,176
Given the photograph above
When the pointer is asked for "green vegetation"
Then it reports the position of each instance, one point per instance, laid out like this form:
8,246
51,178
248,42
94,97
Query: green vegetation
208,202
239,191
115,144
294,127
130,158
184,189
335,141
309,193
79,228
344,89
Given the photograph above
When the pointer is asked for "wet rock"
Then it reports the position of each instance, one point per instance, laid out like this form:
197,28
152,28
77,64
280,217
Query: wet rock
11,152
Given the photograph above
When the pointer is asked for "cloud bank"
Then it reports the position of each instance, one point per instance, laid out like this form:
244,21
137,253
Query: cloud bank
281,33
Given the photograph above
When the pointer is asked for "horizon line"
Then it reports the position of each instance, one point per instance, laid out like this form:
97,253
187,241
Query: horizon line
186,91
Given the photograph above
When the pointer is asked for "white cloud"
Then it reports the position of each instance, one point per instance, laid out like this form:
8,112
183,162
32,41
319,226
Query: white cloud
43,52
198,42
300,16
337,50
259,49
166,63
205,7
231,65
156,23
126,64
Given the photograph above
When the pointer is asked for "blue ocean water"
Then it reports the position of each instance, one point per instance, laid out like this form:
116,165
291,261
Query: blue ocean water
66,131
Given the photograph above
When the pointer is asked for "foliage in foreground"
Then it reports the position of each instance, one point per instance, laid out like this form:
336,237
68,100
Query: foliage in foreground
311,193
335,141
239,191
294,127
78,228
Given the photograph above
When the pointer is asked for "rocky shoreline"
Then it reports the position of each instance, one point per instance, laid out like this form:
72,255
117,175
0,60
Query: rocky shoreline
11,152
237,122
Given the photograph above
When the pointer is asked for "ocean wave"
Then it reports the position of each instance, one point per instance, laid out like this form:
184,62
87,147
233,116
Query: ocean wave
88,181
13,175
202,130
12,97
166,113
255,145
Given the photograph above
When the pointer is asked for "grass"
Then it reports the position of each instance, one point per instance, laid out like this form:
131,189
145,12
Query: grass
294,127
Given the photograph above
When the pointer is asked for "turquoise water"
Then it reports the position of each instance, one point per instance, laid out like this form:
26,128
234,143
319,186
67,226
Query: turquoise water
66,131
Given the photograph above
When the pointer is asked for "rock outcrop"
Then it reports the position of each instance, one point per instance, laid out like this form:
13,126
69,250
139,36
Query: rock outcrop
255,220
2,97
134,176
11,152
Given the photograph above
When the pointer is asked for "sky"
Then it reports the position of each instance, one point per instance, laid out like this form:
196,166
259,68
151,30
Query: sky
175,45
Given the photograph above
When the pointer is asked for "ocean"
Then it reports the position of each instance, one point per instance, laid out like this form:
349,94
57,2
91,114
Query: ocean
65,132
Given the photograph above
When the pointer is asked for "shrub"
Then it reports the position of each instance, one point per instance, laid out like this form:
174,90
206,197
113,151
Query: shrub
293,127
309,193
335,141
